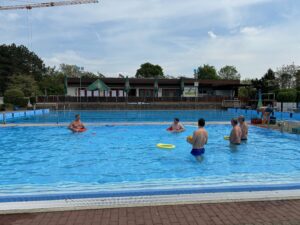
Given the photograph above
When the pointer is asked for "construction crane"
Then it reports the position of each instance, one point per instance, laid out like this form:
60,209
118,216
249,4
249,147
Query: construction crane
46,4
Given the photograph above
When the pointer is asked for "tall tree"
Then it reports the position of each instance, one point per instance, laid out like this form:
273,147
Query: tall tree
76,71
297,77
229,73
268,83
148,70
25,83
18,60
207,72
286,75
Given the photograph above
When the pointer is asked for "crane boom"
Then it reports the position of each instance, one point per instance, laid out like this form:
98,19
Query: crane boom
48,4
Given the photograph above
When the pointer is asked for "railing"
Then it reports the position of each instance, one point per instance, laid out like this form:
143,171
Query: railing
70,99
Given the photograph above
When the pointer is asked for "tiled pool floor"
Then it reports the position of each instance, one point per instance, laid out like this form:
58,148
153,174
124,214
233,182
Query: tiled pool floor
285,212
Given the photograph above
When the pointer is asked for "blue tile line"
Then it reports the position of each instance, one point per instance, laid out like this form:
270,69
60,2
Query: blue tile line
137,193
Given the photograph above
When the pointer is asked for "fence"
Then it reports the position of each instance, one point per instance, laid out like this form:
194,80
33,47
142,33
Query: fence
57,99
6,116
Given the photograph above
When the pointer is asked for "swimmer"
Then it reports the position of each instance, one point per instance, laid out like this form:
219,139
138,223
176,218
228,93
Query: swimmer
200,138
244,128
176,126
236,133
266,114
76,125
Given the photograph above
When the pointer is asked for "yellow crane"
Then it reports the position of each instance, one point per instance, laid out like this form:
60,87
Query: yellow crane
46,4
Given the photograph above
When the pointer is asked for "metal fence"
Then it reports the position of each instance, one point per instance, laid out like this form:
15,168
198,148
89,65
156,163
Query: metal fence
59,99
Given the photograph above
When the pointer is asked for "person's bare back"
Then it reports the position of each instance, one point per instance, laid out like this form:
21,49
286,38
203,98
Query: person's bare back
236,133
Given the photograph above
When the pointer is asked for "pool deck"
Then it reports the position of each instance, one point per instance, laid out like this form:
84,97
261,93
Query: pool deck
285,212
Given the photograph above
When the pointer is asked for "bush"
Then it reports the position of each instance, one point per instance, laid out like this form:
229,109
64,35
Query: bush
15,97
287,95
298,96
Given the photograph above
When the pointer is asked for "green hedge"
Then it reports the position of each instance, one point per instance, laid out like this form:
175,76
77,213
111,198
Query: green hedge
15,97
287,95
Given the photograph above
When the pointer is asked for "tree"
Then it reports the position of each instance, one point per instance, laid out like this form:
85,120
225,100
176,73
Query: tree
24,83
229,73
268,83
287,75
297,77
207,72
247,91
148,70
76,71
53,84
18,60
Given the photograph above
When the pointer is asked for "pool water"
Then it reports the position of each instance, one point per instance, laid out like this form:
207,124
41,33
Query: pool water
132,116
52,159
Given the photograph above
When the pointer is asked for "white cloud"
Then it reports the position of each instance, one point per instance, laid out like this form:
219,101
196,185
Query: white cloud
250,30
212,35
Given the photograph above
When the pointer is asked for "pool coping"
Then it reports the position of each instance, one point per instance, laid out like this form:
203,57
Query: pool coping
70,204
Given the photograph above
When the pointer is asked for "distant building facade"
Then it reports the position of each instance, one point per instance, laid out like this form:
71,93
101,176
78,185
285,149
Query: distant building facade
142,87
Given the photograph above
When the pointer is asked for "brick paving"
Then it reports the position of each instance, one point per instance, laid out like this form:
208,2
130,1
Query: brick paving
242,213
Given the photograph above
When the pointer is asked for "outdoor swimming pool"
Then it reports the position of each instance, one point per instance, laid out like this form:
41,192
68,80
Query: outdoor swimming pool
36,160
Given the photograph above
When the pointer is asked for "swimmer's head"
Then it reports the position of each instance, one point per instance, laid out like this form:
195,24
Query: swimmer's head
201,122
234,122
77,117
241,118
176,120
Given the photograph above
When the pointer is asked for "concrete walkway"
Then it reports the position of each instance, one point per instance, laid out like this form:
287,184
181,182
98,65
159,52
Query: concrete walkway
239,213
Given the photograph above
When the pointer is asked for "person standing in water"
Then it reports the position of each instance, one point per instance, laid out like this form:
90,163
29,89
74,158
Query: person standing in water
176,126
236,133
244,128
76,125
199,139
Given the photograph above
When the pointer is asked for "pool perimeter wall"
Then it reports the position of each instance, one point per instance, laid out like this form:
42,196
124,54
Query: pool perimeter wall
130,106
4,116
254,113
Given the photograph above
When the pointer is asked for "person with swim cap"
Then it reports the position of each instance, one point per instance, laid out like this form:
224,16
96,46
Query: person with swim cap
244,128
199,139
176,126
76,125
236,133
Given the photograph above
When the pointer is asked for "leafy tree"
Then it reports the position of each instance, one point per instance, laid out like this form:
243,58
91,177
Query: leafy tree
268,83
148,70
286,75
18,60
229,73
15,97
247,91
287,95
24,83
76,71
207,72
297,77
54,84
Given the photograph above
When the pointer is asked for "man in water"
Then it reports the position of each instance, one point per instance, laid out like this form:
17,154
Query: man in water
199,139
236,133
266,114
176,126
76,125
244,128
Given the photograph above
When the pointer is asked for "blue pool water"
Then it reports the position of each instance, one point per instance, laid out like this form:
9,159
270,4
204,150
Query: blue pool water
132,116
52,159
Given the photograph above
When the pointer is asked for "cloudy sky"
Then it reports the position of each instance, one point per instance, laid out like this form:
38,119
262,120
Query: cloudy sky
116,36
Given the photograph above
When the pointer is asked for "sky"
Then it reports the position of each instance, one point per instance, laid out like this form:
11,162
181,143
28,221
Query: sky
116,36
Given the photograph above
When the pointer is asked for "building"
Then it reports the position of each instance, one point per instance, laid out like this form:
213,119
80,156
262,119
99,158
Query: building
143,87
